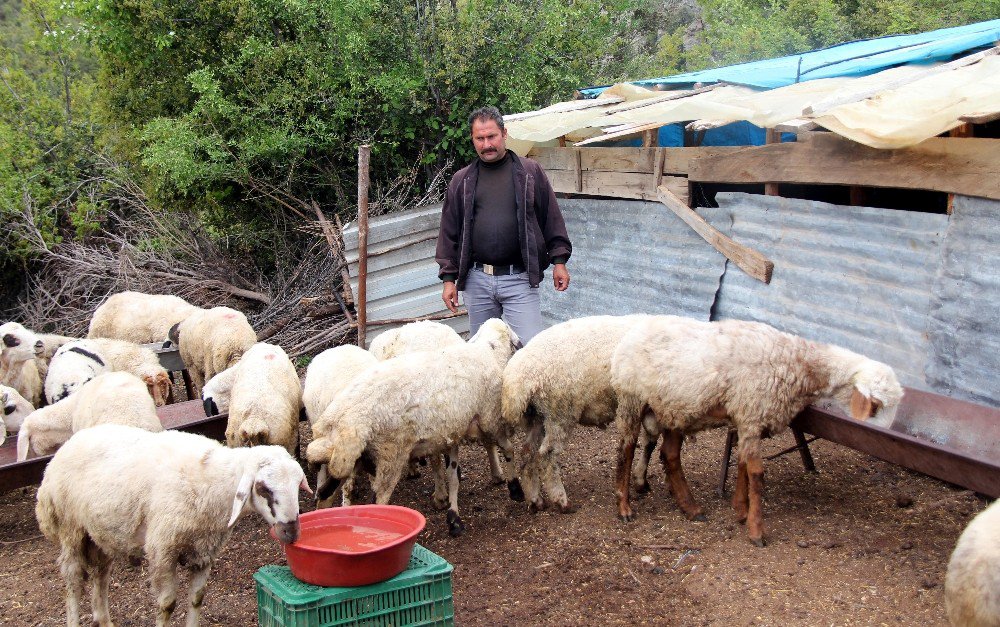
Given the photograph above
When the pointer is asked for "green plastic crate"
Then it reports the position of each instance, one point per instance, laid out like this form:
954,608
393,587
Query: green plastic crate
420,595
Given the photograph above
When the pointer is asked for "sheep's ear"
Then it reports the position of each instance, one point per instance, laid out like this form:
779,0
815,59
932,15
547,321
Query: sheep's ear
4,397
304,485
861,405
242,494
23,441
174,334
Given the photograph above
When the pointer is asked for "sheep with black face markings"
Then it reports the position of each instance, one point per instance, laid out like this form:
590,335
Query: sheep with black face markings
114,492
18,368
15,410
417,405
680,376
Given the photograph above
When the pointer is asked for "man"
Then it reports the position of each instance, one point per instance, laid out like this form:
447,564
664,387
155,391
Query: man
500,229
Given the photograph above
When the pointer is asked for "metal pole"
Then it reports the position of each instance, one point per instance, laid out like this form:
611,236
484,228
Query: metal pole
364,152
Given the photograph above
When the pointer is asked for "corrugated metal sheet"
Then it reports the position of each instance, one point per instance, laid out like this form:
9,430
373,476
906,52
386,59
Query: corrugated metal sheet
402,274
858,277
633,257
965,315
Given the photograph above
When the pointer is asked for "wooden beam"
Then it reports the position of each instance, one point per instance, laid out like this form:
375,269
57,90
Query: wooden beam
563,107
832,103
579,172
771,136
796,125
650,139
630,185
633,130
673,95
658,168
626,159
963,130
968,166
980,118
747,259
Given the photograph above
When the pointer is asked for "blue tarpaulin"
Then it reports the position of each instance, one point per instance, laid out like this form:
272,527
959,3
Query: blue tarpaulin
856,58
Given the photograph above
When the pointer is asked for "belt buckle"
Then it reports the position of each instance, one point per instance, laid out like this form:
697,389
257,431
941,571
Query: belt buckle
488,269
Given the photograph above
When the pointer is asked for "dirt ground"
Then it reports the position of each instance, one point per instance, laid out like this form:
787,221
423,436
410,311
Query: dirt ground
860,543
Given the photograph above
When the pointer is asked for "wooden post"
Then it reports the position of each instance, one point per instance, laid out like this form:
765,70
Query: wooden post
364,153
651,138
771,136
965,130
578,166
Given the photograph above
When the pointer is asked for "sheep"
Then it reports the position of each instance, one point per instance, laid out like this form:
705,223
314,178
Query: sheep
421,336
15,409
972,583
328,374
116,492
561,378
17,361
211,340
681,376
418,405
138,318
266,400
74,364
111,398
413,337
217,391
50,344
138,360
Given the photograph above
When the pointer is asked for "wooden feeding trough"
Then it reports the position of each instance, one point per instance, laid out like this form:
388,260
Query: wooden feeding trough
943,437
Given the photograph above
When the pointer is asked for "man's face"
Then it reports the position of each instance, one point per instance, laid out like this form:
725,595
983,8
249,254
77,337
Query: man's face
489,140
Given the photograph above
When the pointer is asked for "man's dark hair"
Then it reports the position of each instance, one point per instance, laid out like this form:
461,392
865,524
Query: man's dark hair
484,114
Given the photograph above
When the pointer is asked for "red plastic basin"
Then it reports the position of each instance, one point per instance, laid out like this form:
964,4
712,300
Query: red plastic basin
353,546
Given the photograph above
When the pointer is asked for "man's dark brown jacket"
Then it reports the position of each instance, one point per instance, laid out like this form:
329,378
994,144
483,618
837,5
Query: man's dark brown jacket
541,230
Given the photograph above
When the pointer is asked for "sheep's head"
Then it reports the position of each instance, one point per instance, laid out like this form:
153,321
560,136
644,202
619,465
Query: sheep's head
19,344
876,390
344,446
500,337
158,385
271,482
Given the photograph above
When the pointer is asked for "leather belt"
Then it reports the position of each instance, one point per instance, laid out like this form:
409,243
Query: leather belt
498,270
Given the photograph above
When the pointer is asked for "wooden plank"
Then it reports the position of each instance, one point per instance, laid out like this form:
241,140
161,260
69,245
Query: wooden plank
674,95
563,107
675,160
635,130
771,136
650,139
747,259
832,103
797,125
629,185
579,172
658,167
980,118
969,166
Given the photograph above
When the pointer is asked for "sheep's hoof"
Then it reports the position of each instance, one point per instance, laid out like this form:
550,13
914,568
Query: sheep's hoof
699,517
440,502
514,488
629,517
642,488
567,508
758,542
535,506
455,526
412,473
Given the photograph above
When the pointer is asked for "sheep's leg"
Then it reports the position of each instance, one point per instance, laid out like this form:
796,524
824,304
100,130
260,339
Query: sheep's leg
502,446
163,580
413,469
99,593
440,496
755,482
670,454
199,581
388,472
550,450
455,524
646,446
71,565
347,489
740,502
628,417
530,471
496,466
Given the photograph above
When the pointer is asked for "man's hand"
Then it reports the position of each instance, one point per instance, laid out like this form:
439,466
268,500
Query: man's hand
560,277
450,296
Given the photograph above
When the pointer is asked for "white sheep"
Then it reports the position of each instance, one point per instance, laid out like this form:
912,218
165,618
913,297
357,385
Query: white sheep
561,378
421,336
138,318
680,376
74,364
217,391
15,410
111,398
413,337
18,369
137,360
419,405
50,344
114,492
972,585
328,374
211,340
266,400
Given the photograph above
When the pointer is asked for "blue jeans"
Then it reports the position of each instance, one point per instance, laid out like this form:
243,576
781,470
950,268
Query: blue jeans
508,296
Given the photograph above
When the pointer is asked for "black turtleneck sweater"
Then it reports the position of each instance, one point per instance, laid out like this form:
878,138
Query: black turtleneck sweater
494,223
